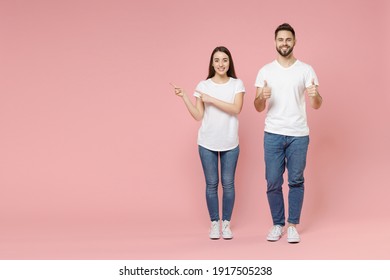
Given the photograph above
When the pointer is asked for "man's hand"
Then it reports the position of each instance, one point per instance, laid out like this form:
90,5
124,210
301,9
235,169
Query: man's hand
312,90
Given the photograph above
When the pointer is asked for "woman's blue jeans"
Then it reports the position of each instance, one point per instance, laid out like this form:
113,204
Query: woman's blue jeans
209,161
280,152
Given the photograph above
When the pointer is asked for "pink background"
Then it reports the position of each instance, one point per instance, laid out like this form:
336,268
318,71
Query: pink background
98,157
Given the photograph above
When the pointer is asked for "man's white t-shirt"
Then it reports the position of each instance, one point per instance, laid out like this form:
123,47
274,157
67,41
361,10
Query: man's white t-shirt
286,114
219,130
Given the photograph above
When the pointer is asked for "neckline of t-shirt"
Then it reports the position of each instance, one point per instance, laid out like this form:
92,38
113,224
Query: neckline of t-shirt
286,68
230,78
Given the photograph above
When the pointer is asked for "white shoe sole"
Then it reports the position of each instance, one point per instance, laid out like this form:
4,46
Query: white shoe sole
272,239
215,236
293,240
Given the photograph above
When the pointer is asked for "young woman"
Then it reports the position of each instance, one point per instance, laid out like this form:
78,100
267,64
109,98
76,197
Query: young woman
219,100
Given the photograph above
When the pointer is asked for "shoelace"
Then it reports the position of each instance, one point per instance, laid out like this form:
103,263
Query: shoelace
276,230
215,226
293,231
226,227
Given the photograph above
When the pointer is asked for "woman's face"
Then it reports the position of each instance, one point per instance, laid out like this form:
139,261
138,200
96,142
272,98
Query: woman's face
221,63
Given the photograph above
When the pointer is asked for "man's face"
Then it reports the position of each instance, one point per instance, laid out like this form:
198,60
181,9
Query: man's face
285,43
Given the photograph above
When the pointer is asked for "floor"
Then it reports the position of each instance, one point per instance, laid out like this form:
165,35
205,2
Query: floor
189,240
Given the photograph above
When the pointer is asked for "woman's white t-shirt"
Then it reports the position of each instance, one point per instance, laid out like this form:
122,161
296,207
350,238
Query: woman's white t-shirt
219,130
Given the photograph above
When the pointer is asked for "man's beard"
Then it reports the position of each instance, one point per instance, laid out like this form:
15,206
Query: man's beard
285,54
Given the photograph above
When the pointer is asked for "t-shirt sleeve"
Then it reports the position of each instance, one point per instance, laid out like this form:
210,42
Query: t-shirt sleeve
310,75
199,87
260,79
239,87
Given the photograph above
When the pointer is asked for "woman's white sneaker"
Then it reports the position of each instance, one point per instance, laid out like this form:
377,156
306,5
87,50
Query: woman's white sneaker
214,230
226,231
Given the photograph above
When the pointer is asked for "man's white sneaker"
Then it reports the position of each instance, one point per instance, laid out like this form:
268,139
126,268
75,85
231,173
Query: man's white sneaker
293,235
214,230
275,233
226,231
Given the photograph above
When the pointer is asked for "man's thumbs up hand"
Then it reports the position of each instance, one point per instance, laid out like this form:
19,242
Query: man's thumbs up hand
266,92
312,90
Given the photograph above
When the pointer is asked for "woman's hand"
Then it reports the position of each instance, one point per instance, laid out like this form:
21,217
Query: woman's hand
196,110
178,90
204,97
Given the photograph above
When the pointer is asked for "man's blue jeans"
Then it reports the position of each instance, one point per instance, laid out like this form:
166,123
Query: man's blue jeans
209,161
280,152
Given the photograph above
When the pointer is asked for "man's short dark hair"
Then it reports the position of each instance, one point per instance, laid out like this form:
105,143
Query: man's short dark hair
284,26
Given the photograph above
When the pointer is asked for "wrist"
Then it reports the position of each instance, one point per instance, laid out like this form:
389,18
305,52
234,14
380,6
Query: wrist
184,96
